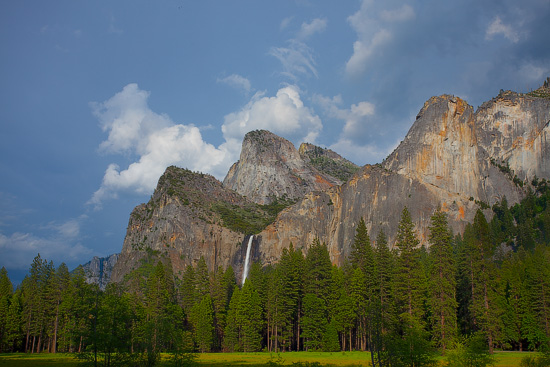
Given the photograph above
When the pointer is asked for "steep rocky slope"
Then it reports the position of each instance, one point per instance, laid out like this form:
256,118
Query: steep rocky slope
99,269
452,157
270,167
328,161
189,215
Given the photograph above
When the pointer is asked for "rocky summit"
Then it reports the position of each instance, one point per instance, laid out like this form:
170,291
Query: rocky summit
453,158
271,167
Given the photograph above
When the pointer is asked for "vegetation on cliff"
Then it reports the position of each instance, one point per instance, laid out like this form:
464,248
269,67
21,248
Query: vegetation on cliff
203,197
328,162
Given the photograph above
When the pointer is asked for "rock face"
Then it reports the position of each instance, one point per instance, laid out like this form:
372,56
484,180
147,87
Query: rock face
328,161
514,130
270,167
99,269
449,159
452,158
189,215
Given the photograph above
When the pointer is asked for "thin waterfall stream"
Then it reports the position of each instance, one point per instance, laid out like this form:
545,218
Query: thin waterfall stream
247,259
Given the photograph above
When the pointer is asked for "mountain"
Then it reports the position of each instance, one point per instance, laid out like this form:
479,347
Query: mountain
452,158
271,167
190,215
99,269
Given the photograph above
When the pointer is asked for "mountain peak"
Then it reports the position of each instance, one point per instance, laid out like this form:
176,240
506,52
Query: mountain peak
271,167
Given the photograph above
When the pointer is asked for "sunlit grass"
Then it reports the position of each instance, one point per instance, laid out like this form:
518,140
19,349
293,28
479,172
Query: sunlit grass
344,359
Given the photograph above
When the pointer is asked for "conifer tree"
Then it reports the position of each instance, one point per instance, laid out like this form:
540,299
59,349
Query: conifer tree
409,277
6,287
442,282
484,301
231,341
187,289
250,317
202,279
203,321
385,261
13,330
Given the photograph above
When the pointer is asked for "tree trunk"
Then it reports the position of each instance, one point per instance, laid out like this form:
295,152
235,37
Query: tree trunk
54,346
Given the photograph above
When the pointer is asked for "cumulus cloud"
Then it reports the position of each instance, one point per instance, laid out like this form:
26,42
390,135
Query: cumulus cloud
155,142
374,30
497,27
237,81
284,114
154,139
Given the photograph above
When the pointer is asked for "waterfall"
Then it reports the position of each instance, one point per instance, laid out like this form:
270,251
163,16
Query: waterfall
247,259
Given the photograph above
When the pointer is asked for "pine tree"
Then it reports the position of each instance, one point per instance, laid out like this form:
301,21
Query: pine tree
13,331
537,320
442,282
250,317
6,287
203,321
513,289
314,322
231,341
187,289
385,263
409,281
202,279
482,271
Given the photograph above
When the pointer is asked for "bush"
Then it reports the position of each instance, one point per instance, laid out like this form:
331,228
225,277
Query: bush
471,351
541,360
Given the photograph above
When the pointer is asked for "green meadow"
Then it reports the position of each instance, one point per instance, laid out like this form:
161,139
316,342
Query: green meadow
349,359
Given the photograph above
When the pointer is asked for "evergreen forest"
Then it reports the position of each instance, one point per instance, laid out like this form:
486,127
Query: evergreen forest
489,286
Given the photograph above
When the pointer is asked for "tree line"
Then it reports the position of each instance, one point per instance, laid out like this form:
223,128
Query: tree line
489,286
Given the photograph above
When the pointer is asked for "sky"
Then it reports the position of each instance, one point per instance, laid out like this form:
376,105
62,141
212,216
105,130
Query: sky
98,97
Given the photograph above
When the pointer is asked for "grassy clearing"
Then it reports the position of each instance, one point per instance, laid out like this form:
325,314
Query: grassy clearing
257,359
347,359
41,359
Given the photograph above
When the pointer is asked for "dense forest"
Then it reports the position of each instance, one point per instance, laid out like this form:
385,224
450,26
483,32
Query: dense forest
489,285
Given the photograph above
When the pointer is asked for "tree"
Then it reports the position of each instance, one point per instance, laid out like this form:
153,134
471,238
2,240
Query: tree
314,322
442,281
409,281
203,321
482,272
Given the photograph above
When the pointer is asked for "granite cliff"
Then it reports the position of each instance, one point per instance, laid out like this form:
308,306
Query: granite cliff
452,158
98,270
271,167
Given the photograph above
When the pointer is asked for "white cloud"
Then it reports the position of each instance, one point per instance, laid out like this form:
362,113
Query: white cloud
406,12
237,82
355,140
154,140
497,27
373,32
60,243
297,59
309,29
364,49
283,114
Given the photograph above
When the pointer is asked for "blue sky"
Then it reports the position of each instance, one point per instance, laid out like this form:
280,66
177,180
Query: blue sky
98,97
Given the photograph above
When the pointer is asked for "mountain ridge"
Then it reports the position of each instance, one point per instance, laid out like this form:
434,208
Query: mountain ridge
452,158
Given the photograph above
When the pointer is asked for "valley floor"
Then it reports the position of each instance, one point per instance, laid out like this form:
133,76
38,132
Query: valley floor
349,359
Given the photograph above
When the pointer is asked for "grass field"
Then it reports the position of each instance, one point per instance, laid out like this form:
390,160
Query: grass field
349,359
